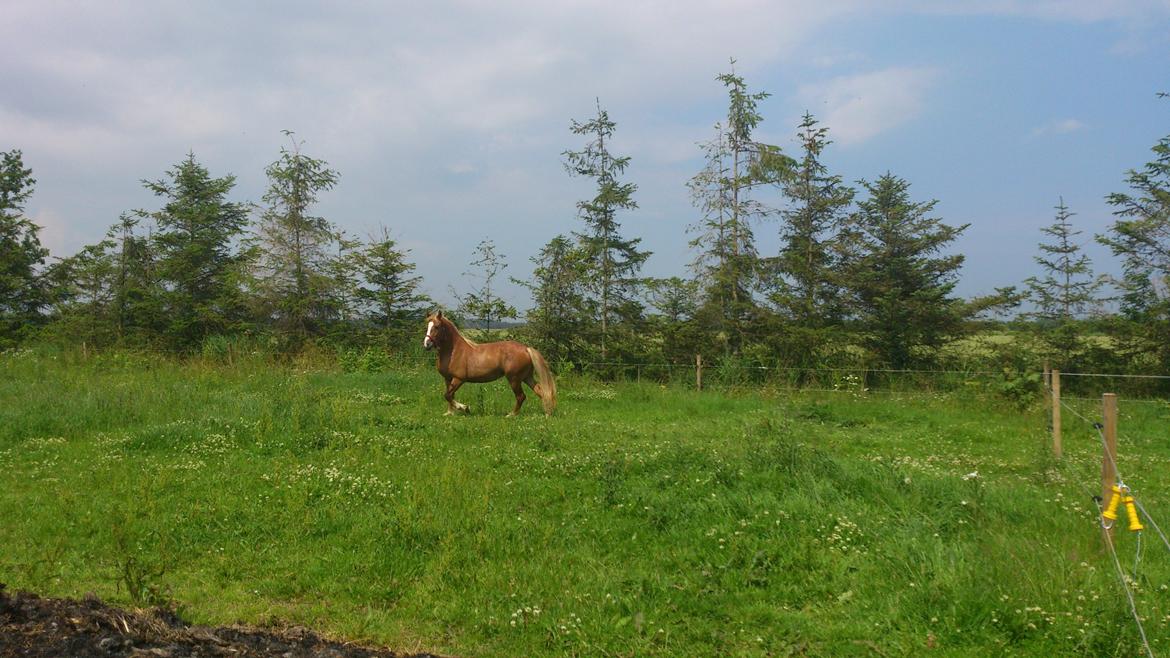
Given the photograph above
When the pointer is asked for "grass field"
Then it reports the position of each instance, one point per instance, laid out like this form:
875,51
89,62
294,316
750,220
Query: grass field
640,520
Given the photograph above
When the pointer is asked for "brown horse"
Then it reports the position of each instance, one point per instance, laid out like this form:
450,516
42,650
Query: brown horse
461,360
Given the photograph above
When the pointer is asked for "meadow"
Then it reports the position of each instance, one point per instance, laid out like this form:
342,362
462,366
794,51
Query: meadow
640,520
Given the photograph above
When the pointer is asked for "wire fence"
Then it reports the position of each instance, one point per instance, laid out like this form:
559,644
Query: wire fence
1123,494
1018,383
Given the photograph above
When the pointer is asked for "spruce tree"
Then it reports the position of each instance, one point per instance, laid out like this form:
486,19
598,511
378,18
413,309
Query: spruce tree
84,291
390,290
728,262
561,318
1141,236
1066,290
805,287
616,261
1142,230
23,292
136,311
296,272
677,301
898,280
198,259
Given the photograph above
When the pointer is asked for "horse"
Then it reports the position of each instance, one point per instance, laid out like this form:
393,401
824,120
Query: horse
460,360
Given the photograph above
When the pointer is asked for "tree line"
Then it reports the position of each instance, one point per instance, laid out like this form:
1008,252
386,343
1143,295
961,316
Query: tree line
864,273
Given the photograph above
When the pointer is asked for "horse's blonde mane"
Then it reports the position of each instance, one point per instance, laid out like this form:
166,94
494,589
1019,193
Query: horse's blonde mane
459,333
465,338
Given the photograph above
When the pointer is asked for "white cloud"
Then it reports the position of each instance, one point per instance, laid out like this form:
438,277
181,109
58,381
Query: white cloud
1059,127
857,108
55,234
1085,11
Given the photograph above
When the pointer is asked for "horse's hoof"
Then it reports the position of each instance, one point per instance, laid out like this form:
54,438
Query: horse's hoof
512,415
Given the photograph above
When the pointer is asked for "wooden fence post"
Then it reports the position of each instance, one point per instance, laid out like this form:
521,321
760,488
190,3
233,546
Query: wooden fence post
1057,448
698,372
1047,380
1108,465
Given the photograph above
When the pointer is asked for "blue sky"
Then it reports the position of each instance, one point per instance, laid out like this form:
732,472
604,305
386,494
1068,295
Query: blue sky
446,120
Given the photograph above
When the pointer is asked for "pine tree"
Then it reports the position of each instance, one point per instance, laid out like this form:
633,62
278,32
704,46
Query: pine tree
23,292
197,251
805,288
616,261
296,271
898,283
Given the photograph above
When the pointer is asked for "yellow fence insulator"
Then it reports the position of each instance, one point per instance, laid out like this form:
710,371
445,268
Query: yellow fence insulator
1135,523
1110,513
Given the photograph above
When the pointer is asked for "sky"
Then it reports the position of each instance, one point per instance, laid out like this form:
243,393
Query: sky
447,120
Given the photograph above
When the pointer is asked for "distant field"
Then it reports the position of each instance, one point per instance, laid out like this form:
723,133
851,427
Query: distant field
640,520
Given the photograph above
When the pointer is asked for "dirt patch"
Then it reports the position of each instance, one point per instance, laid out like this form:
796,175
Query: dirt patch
51,628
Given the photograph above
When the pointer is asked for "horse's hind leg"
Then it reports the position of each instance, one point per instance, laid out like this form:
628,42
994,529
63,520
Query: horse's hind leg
534,386
518,391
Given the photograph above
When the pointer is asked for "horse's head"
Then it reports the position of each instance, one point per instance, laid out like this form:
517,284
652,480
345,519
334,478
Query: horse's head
436,330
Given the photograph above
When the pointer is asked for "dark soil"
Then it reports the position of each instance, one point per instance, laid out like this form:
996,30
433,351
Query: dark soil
60,628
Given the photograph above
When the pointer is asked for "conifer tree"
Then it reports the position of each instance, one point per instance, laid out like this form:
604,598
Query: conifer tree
728,262
296,271
616,261
198,259
561,318
1141,236
1066,290
1142,230
806,288
136,313
483,303
390,289
84,292
23,292
677,301
898,280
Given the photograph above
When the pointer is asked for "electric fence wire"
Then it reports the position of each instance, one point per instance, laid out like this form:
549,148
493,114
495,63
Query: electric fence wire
1108,536
1125,586
1112,376
1076,399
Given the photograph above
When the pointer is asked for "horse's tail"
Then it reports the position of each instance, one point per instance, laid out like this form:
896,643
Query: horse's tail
544,376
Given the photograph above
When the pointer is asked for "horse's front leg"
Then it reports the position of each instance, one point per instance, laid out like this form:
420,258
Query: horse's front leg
453,385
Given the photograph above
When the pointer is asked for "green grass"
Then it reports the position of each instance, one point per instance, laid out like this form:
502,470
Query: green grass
640,520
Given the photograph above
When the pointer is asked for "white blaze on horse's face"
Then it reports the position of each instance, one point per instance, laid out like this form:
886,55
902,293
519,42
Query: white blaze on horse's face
428,342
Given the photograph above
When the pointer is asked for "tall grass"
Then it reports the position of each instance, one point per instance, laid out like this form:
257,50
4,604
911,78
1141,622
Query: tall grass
641,520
